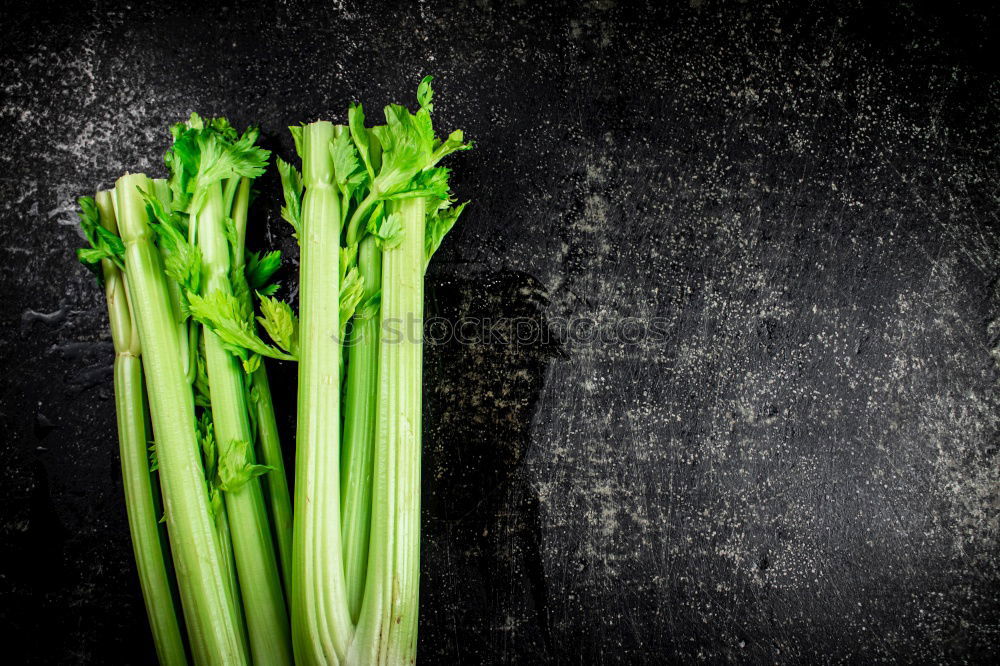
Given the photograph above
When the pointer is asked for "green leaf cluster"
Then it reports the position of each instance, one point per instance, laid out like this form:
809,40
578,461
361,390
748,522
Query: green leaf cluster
207,151
102,243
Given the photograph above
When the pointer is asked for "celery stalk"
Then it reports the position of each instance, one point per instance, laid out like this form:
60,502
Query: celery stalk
256,563
278,497
321,622
359,430
205,597
269,443
388,622
155,577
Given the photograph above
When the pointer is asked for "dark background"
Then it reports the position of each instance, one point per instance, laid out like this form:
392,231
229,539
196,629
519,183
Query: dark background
802,468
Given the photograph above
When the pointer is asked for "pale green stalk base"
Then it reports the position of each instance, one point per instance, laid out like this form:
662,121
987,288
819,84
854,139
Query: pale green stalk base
321,623
387,630
208,606
256,564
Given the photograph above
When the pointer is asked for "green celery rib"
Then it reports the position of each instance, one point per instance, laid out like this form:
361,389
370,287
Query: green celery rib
387,629
208,606
228,557
155,577
278,497
359,431
160,188
256,563
276,481
321,622
188,331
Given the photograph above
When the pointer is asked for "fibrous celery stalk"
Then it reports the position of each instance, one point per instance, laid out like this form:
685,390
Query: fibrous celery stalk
321,623
376,197
210,612
142,501
359,427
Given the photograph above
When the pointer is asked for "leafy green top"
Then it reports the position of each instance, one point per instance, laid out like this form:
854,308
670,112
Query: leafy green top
207,151
103,244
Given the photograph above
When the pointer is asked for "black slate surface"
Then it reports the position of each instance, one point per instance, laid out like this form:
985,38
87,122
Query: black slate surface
798,464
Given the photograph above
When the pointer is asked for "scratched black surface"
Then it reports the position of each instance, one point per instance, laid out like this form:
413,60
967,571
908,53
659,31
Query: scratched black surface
800,467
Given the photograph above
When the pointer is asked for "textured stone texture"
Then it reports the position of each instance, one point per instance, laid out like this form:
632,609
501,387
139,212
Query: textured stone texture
802,469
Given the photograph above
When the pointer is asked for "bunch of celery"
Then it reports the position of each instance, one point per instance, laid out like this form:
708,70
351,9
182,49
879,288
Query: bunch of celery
166,249
369,208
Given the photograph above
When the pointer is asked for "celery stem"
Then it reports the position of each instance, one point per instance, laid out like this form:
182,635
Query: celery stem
208,606
321,623
359,431
387,627
276,481
256,563
155,576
